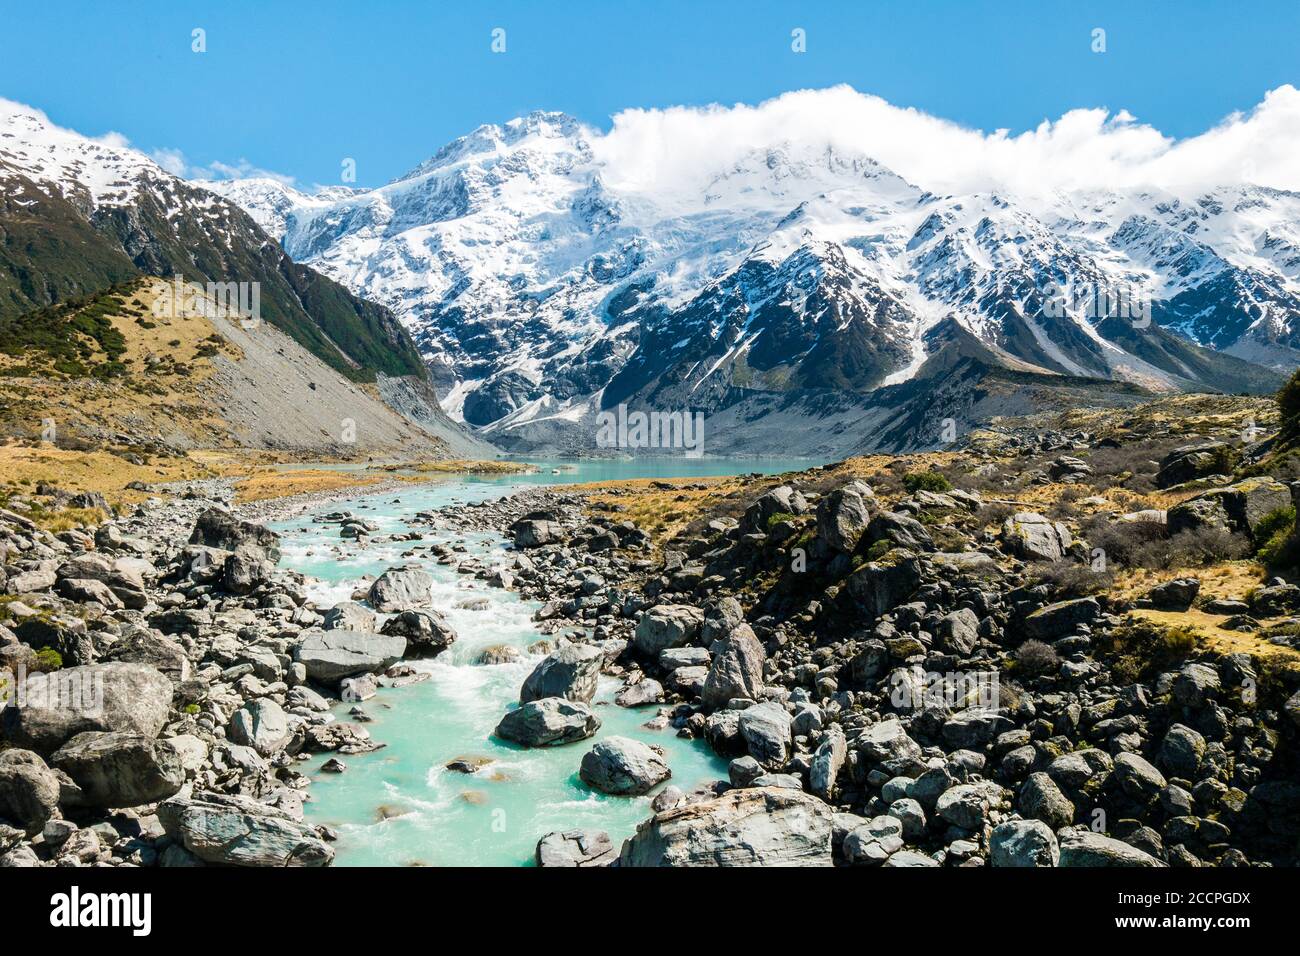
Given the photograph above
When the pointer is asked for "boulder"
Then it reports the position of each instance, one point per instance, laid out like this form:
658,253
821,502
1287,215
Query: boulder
400,589
622,766
330,656
765,729
826,763
645,691
1041,799
239,831
1086,848
217,528
880,586
1056,620
349,616
548,722
665,626
1137,777
120,769
1023,843
736,669
572,672
1182,752
260,724
1239,507
762,826
958,632
900,530
1029,535
245,570
428,632
780,500
29,791
1175,595
843,515
1195,461
144,646
576,848
134,698
537,532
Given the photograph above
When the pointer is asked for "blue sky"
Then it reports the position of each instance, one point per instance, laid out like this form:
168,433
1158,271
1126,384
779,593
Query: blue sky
295,87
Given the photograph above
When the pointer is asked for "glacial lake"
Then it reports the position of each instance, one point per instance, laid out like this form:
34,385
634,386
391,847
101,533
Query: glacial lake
399,806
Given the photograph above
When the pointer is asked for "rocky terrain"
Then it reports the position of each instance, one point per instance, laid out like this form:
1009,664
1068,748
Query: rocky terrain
1064,642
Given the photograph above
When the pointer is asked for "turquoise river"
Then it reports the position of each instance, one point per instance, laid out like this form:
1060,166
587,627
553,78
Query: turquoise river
399,806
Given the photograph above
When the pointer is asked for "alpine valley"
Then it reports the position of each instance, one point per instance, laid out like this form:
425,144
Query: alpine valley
803,296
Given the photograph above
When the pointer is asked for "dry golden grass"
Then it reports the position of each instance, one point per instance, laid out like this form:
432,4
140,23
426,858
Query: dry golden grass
23,467
661,513
266,483
1215,638
159,395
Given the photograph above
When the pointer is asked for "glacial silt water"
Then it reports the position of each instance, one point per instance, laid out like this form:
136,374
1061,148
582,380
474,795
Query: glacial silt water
400,805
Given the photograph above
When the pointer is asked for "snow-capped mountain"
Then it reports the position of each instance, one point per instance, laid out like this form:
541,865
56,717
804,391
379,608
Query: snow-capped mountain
78,215
542,282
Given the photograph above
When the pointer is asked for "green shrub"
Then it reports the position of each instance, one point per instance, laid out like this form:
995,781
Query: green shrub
915,481
1144,648
777,518
1276,536
48,659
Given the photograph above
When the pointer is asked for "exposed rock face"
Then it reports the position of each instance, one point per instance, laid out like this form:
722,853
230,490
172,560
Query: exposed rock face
826,764
217,528
535,533
576,848
1195,461
401,589
1175,595
736,669
843,515
880,586
239,831
330,656
761,826
665,626
548,722
572,672
29,790
622,766
262,725
1086,848
778,501
765,729
120,769
1240,507
428,632
1029,535
349,616
128,697
1023,843
1057,620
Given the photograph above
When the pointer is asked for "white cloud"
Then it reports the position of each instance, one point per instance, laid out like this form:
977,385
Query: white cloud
683,148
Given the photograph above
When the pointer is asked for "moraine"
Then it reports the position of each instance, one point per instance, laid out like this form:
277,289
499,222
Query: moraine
400,805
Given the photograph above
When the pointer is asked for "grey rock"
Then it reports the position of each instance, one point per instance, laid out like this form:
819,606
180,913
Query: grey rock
239,831
751,827
572,672
1086,848
330,656
548,722
665,626
622,766
400,589
576,848
1023,843
737,668
120,769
